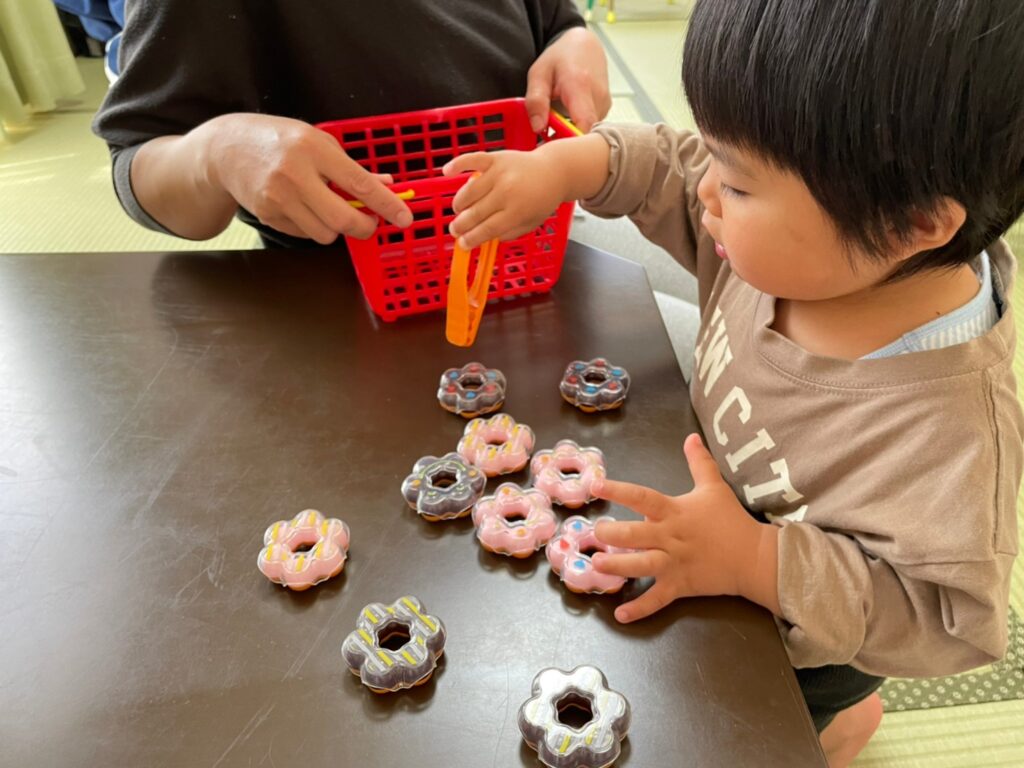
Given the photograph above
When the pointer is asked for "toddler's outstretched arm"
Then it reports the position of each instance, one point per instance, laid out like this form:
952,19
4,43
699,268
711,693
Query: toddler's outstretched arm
701,543
513,192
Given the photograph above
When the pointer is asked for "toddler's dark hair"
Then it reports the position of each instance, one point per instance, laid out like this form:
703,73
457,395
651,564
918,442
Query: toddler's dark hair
882,107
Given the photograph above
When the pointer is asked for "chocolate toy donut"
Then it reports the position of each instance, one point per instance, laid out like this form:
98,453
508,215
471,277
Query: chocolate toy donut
471,390
443,488
595,744
369,651
594,386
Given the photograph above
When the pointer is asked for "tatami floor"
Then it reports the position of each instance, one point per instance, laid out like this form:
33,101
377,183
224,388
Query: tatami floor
55,195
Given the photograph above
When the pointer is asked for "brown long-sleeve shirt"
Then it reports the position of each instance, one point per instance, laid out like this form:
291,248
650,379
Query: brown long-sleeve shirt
893,480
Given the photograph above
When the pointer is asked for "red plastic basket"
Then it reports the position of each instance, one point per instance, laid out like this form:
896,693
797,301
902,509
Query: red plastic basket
405,271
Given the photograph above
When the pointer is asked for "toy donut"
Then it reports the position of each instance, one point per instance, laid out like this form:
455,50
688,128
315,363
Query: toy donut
567,473
382,668
443,488
594,744
498,533
471,390
303,551
594,386
496,445
569,556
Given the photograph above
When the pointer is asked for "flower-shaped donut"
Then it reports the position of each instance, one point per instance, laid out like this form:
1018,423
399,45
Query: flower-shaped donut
567,473
471,390
569,558
594,386
394,646
594,744
496,445
443,488
304,551
522,537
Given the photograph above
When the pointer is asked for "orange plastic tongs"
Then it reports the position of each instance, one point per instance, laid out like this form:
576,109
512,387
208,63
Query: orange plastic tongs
466,304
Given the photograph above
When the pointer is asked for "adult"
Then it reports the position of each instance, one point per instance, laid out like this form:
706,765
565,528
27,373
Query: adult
211,114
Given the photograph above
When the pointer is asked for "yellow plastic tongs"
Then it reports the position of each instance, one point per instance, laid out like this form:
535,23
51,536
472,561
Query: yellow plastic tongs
466,304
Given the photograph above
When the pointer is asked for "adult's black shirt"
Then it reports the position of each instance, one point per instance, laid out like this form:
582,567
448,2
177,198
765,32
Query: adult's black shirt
184,62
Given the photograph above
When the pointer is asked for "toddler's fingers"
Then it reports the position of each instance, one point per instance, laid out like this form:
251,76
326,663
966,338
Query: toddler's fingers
633,535
630,565
472,161
702,464
646,501
651,601
472,192
491,228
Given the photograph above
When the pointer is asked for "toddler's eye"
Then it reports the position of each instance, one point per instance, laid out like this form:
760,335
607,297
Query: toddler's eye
732,191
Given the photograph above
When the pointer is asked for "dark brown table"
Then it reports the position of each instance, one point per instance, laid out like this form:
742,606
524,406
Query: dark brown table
158,411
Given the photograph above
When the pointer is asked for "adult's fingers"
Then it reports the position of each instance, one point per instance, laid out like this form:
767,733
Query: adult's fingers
539,84
348,175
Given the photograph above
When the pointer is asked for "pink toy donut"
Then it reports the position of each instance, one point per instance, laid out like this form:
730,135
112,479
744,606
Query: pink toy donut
304,551
499,531
569,555
496,445
568,473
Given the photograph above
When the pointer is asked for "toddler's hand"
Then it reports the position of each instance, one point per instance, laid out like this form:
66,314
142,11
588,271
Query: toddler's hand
510,194
701,543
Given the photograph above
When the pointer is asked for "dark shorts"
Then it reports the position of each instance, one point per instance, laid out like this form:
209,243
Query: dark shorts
829,690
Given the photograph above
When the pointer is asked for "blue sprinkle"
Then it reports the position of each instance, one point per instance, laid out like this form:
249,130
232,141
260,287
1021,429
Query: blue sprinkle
470,395
591,390
578,526
616,371
580,565
579,366
492,375
453,375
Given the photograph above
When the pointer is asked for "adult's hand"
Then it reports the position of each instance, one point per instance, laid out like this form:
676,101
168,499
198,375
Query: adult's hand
278,168
275,167
574,71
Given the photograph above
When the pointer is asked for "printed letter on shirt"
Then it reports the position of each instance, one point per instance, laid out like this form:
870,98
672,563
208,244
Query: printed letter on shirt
714,355
780,484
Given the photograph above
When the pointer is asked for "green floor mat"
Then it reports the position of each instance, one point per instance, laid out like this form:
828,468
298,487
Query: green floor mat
1003,681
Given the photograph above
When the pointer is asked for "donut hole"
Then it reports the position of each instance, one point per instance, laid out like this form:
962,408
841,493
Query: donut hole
471,382
575,710
595,377
590,550
303,544
393,636
514,516
570,470
496,440
443,479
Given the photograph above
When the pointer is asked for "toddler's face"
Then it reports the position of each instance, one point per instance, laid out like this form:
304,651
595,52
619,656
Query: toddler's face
775,234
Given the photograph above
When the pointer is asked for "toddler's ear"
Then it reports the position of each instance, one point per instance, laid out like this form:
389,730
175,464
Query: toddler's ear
935,228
